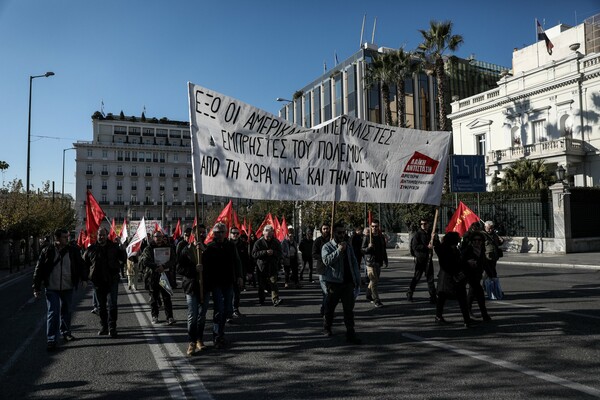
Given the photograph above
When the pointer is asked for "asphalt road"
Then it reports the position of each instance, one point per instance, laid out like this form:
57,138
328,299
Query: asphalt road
543,343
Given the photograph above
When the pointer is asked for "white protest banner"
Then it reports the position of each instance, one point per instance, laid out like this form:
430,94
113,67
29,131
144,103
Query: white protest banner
136,241
241,151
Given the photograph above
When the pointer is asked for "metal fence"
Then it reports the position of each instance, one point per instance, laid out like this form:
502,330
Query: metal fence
527,214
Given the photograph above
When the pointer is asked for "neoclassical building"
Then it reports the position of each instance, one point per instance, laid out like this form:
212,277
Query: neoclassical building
546,108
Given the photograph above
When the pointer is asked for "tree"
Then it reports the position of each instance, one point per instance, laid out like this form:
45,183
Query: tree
3,165
526,174
403,67
436,41
381,71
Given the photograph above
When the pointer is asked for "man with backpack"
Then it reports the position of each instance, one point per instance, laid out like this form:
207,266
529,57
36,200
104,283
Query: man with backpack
421,249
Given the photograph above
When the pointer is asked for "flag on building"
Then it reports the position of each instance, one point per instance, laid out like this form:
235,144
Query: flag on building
136,240
541,35
461,220
93,217
177,231
124,232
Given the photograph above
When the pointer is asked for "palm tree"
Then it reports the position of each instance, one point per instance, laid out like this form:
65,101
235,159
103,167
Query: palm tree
436,41
403,67
381,72
526,174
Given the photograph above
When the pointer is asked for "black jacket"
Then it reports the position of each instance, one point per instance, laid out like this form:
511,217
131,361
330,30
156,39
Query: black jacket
221,264
316,254
265,262
104,262
376,254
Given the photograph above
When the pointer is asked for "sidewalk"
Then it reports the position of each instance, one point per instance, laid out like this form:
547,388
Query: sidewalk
571,260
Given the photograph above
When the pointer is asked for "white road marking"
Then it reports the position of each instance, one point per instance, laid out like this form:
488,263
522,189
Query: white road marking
172,363
546,309
508,365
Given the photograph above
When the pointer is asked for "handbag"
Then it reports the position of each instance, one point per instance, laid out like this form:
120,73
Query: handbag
164,282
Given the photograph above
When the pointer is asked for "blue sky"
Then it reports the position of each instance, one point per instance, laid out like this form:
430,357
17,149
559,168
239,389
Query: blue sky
141,53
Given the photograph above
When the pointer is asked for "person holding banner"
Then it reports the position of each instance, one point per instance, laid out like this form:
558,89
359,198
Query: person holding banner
267,253
341,277
373,247
422,248
158,257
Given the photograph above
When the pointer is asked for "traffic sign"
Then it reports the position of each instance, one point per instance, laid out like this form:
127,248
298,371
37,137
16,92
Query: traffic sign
467,173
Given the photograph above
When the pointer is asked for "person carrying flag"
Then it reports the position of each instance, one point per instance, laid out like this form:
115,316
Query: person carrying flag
422,249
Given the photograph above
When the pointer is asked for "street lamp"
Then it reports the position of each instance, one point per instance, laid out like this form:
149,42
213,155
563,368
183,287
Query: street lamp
63,172
31,78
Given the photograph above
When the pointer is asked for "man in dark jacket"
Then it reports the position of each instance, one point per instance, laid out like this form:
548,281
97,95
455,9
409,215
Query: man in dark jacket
373,247
158,257
422,248
60,268
221,271
103,259
267,253
305,247
242,251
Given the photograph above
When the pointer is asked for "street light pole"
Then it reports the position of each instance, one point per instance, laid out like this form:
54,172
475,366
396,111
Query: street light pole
31,78
63,172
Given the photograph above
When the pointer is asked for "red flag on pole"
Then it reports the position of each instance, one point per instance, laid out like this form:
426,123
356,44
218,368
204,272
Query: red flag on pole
277,227
112,234
244,227
225,217
81,239
461,220
193,235
177,231
283,230
267,221
93,217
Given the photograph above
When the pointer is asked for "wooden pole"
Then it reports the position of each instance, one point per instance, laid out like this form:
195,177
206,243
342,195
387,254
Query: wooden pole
332,216
199,267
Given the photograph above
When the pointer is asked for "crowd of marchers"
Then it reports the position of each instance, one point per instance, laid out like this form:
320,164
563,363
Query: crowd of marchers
215,272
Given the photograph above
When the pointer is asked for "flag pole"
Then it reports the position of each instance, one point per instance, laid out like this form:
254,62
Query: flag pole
332,214
198,250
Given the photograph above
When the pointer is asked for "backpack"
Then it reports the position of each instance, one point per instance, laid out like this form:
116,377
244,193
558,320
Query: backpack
413,244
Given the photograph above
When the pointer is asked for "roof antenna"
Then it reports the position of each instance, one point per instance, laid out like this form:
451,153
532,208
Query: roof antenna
373,35
362,31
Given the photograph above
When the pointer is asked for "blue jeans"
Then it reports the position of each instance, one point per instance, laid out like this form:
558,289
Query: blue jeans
107,304
223,304
58,318
196,316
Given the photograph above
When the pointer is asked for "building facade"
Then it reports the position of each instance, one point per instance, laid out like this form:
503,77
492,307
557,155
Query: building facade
342,91
137,167
547,109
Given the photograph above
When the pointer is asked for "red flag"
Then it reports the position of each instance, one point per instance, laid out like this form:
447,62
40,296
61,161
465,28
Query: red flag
236,220
225,217
283,230
249,228
93,217
112,234
81,239
267,221
461,220
541,35
177,231
157,227
244,227
277,228
193,235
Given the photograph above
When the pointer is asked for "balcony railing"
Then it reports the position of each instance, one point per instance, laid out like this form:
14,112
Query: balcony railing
550,148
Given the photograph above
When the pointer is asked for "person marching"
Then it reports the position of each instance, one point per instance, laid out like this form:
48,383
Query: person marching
373,247
422,248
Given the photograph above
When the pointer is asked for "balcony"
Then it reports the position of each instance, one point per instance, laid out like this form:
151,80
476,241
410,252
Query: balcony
148,203
104,173
134,203
189,175
88,186
89,172
119,187
118,203
162,174
175,175
176,203
134,188
134,174
119,173
148,174
563,147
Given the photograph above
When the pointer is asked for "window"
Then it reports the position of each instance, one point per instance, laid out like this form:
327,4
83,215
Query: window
176,157
119,185
89,169
175,186
317,105
120,130
104,184
134,214
90,153
175,214
105,154
148,215
307,110
339,95
120,198
127,155
148,185
148,171
351,74
120,155
88,184
104,200
539,131
327,100
162,171
134,169
189,186
133,198
480,144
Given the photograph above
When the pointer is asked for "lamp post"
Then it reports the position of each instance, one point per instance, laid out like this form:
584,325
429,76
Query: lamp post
31,78
63,172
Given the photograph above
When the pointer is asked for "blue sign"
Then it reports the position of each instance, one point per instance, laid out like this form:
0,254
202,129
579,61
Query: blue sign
467,173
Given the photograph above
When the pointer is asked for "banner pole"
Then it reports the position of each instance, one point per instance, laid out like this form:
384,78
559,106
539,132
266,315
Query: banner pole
198,250
332,215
